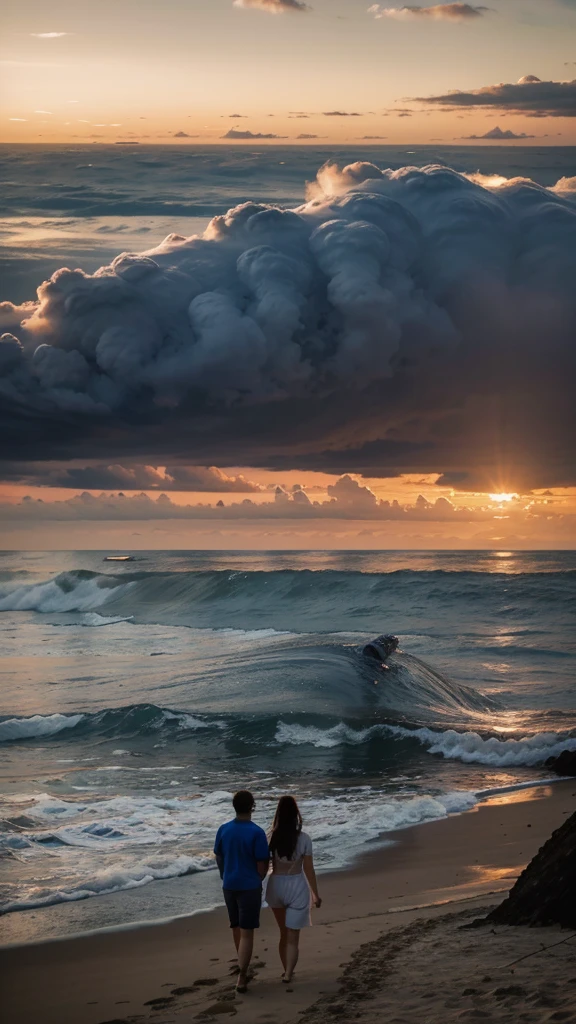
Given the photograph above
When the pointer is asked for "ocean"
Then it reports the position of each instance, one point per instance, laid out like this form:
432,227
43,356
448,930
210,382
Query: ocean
137,696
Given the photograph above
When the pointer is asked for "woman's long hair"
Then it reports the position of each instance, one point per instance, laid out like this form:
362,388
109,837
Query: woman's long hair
286,828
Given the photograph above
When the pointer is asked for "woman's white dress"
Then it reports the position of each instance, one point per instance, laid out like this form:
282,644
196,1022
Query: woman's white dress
288,886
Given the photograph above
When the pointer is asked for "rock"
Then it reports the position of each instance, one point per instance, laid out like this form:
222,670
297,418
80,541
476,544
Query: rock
564,764
545,893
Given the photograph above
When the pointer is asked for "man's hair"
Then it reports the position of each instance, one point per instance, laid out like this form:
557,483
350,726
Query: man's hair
243,801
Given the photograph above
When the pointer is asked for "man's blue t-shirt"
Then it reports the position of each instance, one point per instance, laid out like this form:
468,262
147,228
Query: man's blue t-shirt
241,844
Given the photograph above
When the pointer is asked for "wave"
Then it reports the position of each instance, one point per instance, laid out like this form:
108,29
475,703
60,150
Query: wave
110,832
290,599
468,747
111,881
38,726
109,835
132,720
265,732
337,680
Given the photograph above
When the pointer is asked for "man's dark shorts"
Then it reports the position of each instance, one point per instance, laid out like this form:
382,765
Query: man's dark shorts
244,907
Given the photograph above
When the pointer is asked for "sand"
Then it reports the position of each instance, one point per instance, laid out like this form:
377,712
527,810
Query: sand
385,946
438,970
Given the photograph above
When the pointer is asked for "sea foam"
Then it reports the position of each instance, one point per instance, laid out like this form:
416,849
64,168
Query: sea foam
469,747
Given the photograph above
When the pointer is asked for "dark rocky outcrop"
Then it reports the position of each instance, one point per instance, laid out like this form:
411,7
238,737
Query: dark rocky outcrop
564,764
545,893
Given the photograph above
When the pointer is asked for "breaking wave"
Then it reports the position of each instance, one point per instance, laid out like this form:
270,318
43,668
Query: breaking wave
468,747
284,599
110,881
112,834
134,720
261,732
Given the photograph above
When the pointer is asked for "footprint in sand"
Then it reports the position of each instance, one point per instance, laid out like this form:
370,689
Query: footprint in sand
217,1008
199,983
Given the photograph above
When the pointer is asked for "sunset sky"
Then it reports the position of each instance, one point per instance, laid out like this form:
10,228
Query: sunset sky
390,365
333,70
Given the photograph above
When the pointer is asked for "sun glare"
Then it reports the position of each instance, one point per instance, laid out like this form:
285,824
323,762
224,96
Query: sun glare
500,498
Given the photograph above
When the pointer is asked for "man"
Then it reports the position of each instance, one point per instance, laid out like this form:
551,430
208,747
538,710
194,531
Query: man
242,855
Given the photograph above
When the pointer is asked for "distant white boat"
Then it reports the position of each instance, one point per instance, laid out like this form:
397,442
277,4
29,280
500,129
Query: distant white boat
119,558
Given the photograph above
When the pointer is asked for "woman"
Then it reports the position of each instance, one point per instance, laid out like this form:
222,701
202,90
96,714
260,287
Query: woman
292,879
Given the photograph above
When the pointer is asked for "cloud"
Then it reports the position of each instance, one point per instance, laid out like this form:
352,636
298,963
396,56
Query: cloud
498,133
374,136
408,320
348,500
50,35
130,477
528,96
237,116
340,113
436,12
305,135
274,6
234,133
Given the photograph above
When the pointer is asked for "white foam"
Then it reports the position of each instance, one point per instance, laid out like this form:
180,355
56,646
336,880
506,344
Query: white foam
187,722
94,619
78,596
468,747
471,748
39,725
110,882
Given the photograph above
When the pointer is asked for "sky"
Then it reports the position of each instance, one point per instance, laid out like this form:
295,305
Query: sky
390,365
332,70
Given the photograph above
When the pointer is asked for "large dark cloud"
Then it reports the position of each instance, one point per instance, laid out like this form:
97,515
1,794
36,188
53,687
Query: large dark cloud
410,320
528,96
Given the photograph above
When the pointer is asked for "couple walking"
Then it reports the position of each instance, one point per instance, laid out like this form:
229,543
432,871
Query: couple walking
243,854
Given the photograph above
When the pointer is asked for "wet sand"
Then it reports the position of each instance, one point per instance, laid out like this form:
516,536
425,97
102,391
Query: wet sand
180,970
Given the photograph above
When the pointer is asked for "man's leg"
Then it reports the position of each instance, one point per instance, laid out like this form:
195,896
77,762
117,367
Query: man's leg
245,947
231,900
249,903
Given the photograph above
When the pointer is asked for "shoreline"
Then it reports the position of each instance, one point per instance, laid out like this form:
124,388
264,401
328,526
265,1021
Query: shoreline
82,918
470,859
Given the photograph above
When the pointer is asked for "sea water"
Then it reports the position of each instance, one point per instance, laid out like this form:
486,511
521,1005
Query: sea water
136,697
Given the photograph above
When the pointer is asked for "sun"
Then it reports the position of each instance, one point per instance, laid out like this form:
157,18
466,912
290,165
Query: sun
501,498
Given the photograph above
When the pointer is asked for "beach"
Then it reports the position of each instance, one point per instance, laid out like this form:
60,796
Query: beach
179,970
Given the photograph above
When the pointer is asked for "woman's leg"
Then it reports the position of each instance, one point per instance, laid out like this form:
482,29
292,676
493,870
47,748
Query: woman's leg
292,941
280,915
